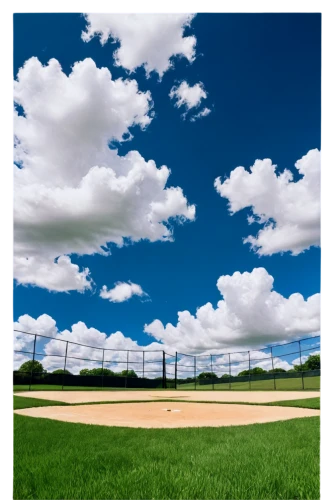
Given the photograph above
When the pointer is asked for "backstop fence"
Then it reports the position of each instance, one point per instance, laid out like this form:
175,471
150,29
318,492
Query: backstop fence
276,367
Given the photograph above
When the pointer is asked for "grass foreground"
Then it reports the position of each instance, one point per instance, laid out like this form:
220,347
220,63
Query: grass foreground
60,460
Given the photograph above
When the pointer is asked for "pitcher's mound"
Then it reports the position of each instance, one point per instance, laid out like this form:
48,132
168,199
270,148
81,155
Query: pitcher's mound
157,415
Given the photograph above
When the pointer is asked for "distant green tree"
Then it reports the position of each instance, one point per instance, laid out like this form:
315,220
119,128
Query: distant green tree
129,374
102,371
85,371
226,375
206,375
61,371
97,371
313,362
254,371
34,366
257,371
277,370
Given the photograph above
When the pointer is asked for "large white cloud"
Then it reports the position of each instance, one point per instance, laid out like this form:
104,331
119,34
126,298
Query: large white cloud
149,40
289,210
121,292
60,275
250,314
73,194
43,325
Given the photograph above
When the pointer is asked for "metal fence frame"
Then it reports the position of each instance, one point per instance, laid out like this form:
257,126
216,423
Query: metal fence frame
102,361
170,367
251,377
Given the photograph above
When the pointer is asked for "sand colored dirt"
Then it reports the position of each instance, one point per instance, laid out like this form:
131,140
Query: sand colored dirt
127,395
156,415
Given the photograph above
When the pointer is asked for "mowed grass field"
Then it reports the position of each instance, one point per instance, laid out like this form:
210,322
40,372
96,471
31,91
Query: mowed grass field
59,460
282,384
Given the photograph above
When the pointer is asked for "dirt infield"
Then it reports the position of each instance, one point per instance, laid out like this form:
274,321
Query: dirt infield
168,415
127,395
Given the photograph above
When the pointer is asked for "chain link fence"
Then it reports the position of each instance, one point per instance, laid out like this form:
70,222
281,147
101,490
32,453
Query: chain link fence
278,367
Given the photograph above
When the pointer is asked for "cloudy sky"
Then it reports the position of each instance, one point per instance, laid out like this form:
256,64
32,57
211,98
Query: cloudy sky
167,180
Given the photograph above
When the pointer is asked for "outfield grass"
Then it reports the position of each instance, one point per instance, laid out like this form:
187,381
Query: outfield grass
59,460
287,384
282,384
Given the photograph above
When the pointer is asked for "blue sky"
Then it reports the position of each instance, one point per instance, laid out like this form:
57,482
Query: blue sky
262,74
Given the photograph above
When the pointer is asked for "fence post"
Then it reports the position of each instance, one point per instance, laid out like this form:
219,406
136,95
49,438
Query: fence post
211,369
249,371
229,374
273,368
33,362
300,361
63,375
126,371
103,370
176,371
164,372
143,364
195,372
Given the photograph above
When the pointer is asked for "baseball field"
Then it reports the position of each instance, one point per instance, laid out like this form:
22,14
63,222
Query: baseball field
166,445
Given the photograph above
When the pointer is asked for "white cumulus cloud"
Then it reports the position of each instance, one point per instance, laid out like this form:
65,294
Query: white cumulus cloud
188,96
73,194
60,275
122,292
288,210
251,313
148,40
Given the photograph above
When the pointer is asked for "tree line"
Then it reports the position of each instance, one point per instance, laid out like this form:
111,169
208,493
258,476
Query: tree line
312,363
37,367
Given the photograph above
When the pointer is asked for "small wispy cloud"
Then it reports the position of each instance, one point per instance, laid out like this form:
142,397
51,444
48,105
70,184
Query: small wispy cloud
122,292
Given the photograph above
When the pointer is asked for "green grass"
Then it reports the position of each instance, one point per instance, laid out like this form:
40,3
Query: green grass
75,461
59,460
312,403
287,384
20,402
282,384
